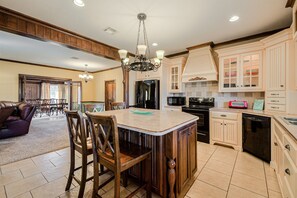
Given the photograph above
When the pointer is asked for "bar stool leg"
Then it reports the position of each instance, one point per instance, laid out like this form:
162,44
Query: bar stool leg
83,176
71,170
96,178
117,184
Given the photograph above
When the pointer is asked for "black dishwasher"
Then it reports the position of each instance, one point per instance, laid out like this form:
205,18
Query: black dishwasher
256,136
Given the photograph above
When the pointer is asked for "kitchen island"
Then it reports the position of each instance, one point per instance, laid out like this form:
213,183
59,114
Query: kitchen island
173,140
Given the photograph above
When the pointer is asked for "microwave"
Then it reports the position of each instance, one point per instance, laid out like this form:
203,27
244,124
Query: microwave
176,101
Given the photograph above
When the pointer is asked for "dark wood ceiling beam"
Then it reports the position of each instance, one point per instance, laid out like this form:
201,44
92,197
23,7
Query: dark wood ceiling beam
290,3
18,23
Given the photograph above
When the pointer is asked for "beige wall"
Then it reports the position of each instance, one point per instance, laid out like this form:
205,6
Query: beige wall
9,74
101,77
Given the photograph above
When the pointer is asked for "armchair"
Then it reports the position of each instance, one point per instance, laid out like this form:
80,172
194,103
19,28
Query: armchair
15,119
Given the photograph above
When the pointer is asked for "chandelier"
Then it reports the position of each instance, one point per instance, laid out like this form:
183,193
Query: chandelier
86,76
142,61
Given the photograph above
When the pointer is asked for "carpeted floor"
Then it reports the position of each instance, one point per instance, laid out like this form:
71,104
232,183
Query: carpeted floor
45,135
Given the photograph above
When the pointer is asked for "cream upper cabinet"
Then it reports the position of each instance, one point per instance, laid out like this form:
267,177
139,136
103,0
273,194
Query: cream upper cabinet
149,75
276,67
174,78
241,68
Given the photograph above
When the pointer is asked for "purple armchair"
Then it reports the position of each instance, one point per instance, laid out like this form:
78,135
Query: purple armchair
15,119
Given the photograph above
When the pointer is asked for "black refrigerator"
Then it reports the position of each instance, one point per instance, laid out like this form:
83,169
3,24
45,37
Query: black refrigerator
147,94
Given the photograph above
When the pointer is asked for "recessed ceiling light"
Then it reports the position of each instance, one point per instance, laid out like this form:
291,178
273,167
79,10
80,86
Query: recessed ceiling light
110,30
155,44
79,3
234,18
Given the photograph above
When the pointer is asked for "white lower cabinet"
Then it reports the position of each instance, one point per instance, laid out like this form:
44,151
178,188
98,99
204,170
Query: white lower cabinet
225,128
284,151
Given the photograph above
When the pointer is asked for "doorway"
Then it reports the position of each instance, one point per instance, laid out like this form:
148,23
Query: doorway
110,93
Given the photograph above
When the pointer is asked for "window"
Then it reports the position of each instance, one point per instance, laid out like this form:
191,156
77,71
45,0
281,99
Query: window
54,91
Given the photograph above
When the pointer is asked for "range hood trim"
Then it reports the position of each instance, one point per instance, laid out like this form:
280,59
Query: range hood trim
195,61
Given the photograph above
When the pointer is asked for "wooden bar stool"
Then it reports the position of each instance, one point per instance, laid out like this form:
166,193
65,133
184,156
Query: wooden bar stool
115,155
117,105
80,143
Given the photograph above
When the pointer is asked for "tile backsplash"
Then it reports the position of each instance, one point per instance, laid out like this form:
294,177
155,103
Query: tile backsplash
211,89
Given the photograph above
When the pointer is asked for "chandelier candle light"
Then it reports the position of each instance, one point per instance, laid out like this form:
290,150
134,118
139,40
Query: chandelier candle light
142,61
86,76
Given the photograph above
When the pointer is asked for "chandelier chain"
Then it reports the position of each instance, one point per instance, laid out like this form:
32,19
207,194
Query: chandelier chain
138,35
146,40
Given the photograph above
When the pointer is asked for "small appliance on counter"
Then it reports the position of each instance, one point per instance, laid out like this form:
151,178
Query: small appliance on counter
176,101
238,104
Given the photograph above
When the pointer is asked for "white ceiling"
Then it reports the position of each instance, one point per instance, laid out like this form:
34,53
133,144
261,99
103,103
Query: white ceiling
174,24
19,48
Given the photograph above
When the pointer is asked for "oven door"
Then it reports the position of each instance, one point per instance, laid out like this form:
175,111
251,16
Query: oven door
202,123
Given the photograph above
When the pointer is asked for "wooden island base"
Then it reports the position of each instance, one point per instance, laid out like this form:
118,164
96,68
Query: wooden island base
174,159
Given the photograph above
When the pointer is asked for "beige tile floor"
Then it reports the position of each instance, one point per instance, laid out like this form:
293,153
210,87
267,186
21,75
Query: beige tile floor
223,172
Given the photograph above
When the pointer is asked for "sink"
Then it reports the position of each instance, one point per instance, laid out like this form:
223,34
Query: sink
292,121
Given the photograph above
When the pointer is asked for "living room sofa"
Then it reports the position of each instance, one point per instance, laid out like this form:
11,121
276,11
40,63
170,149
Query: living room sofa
15,118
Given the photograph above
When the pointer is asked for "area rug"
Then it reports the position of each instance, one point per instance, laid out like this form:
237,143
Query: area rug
45,135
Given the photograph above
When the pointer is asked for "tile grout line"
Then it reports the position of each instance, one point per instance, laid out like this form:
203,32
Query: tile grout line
266,183
5,192
205,163
232,174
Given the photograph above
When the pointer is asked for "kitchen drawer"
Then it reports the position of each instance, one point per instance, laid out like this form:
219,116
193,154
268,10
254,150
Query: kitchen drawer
276,94
275,107
290,148
224,115
278,101
278,130
290,174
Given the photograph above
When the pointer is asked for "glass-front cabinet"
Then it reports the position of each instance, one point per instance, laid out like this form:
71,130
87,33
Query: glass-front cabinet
230,72
175,72
241,72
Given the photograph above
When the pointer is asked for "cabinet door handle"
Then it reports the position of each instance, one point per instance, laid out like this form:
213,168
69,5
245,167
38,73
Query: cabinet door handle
221,123
288,147
275,144
287,171
225,124
223,116
274,94
282,86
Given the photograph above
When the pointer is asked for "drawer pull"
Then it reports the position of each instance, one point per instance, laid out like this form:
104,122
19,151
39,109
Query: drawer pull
275,94
274,100
221,123
275,107
275,144
287,171
223,116
282,86
288,147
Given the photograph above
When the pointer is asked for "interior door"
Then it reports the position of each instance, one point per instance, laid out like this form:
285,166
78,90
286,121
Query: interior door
75,95
110,93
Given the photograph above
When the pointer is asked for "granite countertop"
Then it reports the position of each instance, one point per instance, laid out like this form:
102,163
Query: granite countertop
157,124
292,129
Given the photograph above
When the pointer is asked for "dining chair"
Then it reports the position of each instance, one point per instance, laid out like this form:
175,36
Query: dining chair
80,143
118,105
115,155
